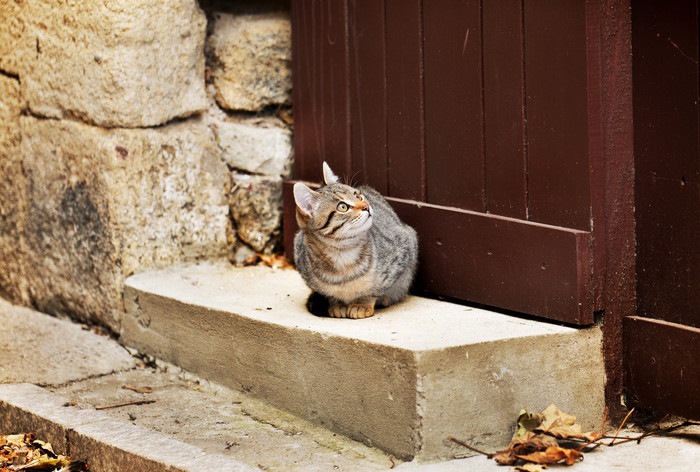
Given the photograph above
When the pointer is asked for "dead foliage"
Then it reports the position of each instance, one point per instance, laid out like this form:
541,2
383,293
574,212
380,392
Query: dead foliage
554,437
24,452
276,261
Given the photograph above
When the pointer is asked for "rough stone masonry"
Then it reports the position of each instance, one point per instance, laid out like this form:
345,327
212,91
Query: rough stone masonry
135,135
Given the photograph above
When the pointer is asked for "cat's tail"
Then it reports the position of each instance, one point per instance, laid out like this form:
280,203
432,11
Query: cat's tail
317,304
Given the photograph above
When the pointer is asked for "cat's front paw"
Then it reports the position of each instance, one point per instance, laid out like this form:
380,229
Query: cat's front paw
355,311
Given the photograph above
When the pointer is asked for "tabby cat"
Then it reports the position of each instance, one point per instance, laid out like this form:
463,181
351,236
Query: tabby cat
351,249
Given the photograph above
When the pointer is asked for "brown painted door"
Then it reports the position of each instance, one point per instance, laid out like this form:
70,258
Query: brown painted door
662,343
480,121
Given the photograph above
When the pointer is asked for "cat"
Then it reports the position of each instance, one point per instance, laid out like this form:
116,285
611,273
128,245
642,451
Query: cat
351,249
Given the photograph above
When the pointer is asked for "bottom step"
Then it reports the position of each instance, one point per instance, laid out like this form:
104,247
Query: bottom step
402,380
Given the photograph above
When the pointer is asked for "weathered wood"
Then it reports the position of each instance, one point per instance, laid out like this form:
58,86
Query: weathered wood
666,119
663,366
367,46
453,103
505,160
320,62
405,139
557,113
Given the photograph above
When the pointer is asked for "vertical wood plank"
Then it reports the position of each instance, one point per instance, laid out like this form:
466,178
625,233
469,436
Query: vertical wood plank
557,113
453,103
367,49
617,239
321,111
666,120
504,126
662,366
405,138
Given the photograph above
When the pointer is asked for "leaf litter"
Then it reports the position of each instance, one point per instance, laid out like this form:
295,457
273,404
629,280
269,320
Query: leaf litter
554,437
24,452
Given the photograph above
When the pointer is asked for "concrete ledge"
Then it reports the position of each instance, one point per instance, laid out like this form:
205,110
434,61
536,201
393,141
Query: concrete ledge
108,444
402,380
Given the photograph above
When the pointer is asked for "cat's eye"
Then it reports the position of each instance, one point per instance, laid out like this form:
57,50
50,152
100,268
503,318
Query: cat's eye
359,195
342,207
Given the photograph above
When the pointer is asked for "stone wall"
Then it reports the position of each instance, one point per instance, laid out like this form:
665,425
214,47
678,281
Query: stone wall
134,135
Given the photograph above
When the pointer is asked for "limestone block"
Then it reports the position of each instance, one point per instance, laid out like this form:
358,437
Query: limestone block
12,195
107,203
122,63
258,145
256,209
251,60
11,31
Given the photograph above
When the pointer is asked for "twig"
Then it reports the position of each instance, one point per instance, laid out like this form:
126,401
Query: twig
119,405
621,426
391,459
463,444
138,390
602,434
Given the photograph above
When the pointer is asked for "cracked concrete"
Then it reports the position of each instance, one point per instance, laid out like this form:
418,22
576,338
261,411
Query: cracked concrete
47,351
215,426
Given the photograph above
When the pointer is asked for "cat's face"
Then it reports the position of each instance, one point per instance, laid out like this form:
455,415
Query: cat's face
335,211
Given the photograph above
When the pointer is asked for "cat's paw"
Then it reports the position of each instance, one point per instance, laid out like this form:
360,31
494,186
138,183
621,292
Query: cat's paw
355,311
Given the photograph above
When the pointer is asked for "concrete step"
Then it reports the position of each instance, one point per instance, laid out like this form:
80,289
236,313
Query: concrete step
402,380
54,374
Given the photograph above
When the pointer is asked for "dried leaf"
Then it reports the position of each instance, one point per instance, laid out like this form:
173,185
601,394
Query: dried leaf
553,455
562,425
506,457
26,453
276,261
527,422
532,442
531,467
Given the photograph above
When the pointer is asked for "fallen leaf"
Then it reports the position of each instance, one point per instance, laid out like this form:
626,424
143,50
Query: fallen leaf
531,467
527,422
562,425
553,455
276,261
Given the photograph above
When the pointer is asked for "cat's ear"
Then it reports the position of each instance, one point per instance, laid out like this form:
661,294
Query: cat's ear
328,176
305,199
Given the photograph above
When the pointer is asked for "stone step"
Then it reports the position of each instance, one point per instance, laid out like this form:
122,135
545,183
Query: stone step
403,380
122,411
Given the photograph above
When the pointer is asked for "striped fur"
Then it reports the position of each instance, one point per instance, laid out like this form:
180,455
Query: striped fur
354,258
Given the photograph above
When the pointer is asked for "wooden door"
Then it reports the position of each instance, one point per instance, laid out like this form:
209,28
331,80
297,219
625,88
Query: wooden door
662,343
481,122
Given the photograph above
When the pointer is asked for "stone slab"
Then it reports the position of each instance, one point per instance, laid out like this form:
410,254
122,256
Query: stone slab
103,204
48,351
222,421
402,380
251,59
13,188
123,63
107,444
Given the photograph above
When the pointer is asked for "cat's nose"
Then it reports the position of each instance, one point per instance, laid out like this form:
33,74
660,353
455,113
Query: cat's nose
362,206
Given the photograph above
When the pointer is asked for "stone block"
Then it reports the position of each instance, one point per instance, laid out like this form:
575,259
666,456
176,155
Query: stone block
251,59
26,408
256,209
106,203
13,201
11,33
26,336
255,145
402,380
105,443
123,63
